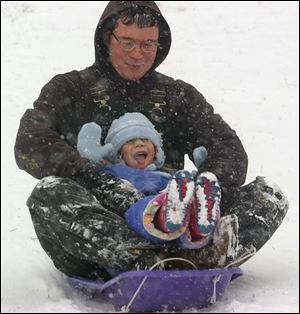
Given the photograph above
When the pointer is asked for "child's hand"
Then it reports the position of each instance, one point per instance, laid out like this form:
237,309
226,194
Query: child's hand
89,143
199,155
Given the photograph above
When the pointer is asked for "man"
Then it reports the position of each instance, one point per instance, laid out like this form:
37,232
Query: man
77,209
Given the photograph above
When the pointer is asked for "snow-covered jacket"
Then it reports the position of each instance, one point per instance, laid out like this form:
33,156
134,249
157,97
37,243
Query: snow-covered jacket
47,137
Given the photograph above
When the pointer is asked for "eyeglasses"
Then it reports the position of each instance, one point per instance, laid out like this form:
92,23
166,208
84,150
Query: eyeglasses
129,44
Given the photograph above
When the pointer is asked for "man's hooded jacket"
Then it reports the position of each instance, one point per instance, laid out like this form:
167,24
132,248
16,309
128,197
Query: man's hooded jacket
47,137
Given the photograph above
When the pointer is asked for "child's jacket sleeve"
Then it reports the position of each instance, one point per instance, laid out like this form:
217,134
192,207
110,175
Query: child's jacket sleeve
147,182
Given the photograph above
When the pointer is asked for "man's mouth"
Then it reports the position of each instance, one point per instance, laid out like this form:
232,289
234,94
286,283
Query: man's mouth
135,65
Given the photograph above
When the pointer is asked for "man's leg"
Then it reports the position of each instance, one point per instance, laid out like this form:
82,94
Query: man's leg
249,217
260,207
80,236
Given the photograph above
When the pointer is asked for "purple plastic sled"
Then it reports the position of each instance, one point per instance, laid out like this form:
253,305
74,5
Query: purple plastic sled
161,290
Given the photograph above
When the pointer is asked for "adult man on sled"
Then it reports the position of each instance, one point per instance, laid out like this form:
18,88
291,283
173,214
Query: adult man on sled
91,222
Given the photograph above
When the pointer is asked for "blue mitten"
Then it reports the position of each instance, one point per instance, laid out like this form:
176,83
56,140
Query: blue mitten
147,182
199,155
89,143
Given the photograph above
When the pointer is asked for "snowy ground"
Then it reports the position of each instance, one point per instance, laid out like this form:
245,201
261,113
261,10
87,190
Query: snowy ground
242,56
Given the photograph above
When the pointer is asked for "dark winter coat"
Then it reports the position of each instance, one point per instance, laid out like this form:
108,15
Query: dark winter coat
47,137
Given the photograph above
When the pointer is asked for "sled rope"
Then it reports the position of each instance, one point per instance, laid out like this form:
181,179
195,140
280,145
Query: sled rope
218,277
126,308
213,299
240,259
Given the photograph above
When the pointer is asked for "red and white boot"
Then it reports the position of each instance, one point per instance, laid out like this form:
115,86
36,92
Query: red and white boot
206,213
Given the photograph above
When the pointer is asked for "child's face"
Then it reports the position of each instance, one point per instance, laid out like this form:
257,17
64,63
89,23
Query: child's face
138,153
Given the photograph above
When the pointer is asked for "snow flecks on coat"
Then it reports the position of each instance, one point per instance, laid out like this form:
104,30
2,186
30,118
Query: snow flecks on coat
45,209
261,207
48,182
274,194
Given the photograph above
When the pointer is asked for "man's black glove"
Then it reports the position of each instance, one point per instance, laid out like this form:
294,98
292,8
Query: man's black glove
114,194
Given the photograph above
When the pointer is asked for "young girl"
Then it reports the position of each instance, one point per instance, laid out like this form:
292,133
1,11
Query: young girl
175,206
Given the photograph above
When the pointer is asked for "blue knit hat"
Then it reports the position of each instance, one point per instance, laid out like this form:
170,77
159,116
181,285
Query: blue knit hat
128,127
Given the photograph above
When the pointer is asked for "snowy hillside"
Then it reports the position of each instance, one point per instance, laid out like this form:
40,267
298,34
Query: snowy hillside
243,56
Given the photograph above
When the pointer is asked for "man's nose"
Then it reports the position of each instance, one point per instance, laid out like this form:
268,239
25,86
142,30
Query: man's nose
136,52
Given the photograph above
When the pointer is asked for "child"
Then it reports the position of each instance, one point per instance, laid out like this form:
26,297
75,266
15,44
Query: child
175,207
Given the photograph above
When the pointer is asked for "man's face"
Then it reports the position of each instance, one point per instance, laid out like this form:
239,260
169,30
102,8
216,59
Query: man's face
138,153
132,65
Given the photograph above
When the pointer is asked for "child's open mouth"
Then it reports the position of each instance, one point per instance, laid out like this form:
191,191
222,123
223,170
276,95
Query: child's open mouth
140,157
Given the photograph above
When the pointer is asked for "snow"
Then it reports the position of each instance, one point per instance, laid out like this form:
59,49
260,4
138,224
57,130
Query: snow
243,56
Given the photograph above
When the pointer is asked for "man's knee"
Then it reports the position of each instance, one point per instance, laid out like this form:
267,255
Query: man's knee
55,192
